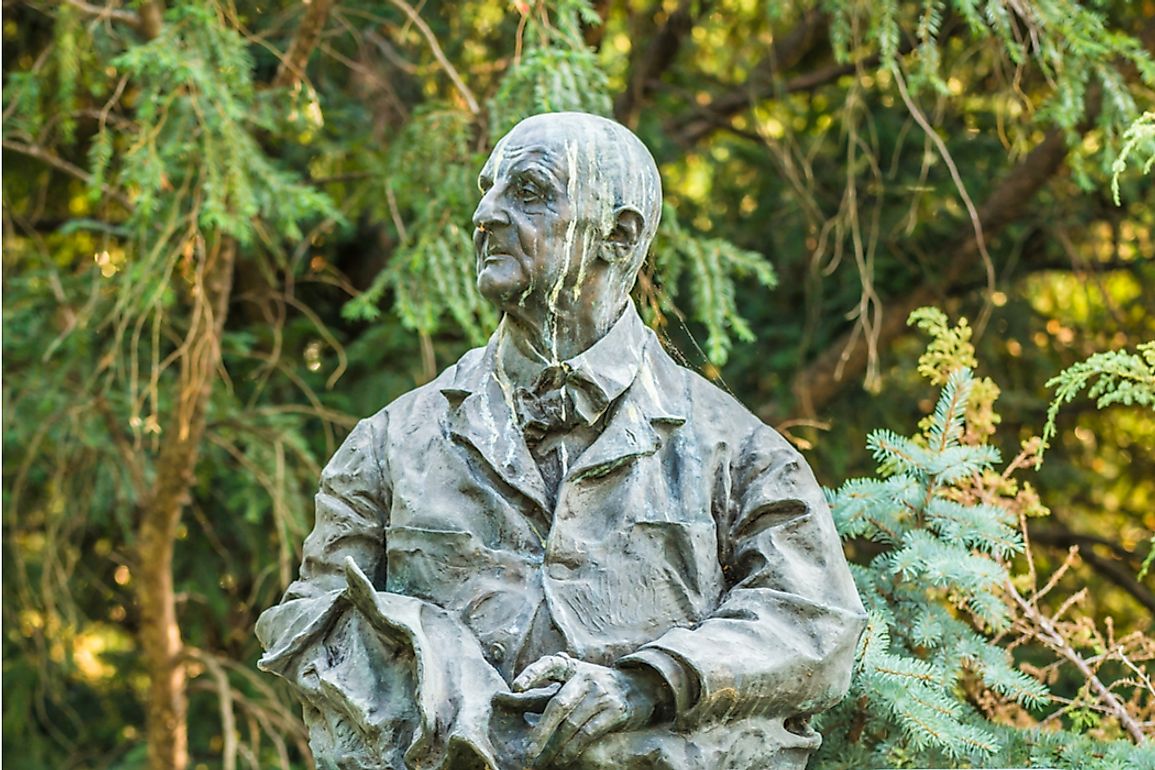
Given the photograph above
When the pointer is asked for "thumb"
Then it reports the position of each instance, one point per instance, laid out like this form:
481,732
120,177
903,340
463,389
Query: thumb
551,668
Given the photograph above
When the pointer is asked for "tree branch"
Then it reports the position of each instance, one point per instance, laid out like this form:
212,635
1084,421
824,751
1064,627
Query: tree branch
151,19
648,62
765,80
106,12
60,164
1045,631
845,360
161,643
292,68
442,59
148,21
1115,571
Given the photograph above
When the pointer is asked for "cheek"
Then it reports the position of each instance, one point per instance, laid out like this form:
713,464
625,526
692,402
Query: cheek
529,239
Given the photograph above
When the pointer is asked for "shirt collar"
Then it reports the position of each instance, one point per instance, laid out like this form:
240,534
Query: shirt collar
599,375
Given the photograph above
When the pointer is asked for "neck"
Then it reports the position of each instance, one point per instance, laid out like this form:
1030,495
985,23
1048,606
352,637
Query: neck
530,342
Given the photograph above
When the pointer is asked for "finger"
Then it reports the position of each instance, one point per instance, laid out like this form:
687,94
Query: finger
598,725
556,712
551,668
527,700
589,708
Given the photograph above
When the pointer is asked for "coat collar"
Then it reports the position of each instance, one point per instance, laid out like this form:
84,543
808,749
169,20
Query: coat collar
597,376
482,413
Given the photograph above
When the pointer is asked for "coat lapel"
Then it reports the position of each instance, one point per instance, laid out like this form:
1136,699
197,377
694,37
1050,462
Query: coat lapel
481,415
633,428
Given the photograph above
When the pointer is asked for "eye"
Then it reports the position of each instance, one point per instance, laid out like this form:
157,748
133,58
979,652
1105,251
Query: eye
529,191
484,183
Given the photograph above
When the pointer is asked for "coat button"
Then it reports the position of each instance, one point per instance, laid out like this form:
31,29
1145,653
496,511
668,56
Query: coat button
497,651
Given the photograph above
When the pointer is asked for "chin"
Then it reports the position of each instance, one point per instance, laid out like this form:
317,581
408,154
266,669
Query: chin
501,291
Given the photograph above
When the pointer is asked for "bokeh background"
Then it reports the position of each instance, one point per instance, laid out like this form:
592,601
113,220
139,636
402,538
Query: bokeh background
232,228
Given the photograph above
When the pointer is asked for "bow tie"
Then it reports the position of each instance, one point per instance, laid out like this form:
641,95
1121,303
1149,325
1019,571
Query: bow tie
551,406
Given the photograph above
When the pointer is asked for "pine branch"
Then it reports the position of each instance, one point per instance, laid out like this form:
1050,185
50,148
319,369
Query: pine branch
1113,377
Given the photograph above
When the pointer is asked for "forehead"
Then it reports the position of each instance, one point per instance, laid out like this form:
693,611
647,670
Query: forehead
553,146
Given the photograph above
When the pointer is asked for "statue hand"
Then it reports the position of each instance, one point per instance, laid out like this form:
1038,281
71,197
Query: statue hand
593,701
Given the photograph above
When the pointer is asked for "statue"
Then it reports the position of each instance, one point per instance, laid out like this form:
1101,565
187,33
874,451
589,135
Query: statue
566,550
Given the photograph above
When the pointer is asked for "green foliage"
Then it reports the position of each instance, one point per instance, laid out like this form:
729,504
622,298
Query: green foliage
940,562
1139,137
195,81
1067,40
713,267
66,32
1115,377
430,185
557,72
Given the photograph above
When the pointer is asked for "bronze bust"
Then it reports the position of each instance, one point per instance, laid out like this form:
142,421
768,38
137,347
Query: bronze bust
567,550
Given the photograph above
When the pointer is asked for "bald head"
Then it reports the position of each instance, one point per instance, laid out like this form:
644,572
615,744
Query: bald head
610,173
570,203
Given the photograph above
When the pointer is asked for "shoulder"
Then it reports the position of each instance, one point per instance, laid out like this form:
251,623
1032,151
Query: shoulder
704,404
717,420
423,406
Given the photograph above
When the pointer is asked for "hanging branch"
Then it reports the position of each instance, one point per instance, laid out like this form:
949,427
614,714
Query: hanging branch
442,59
843,361
292,68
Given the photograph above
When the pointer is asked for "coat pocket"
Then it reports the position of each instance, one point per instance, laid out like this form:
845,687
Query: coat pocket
430,564
685,554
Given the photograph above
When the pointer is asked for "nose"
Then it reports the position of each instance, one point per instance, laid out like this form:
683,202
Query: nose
490,212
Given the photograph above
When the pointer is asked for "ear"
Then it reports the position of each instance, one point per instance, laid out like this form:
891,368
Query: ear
626,233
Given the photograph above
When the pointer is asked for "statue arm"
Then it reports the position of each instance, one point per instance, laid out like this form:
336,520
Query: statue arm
782,640
352,506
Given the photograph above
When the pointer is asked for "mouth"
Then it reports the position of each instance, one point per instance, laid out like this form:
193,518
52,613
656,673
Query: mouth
488,252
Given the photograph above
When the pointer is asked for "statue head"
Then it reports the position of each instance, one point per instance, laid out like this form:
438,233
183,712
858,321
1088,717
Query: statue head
570,204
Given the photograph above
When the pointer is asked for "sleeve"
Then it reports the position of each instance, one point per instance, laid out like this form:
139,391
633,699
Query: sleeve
783,638
352,506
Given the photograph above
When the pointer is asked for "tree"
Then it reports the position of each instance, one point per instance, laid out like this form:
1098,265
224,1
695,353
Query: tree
933,686
276,197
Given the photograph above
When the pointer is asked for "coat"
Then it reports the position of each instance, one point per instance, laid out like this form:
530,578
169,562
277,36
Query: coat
689,537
